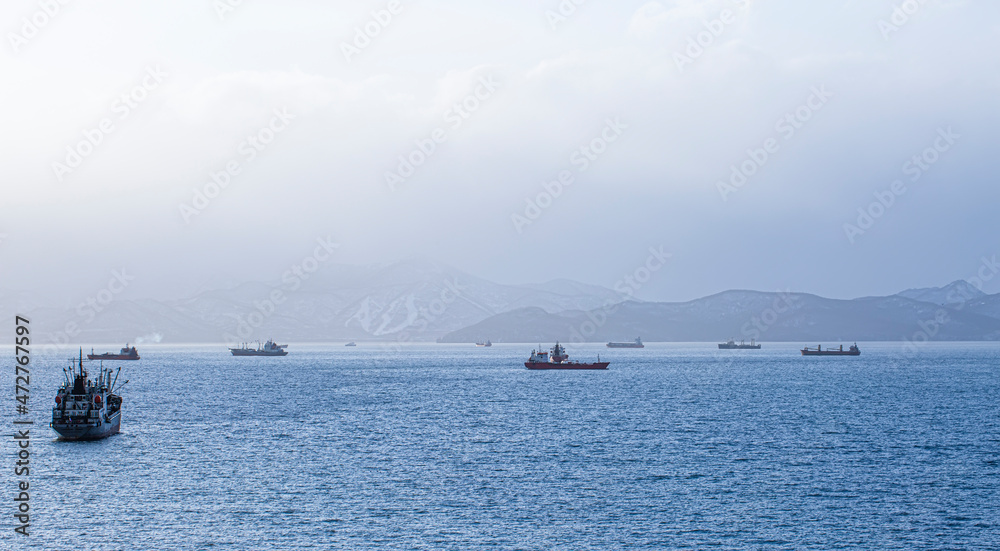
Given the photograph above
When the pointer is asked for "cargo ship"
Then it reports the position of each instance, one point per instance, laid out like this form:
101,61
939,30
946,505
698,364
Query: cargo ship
559,359
818,351
637,343
267,349
487,343
127,353
87,409
731,345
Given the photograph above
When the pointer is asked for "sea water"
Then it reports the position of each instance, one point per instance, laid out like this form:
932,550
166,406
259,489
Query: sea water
676,446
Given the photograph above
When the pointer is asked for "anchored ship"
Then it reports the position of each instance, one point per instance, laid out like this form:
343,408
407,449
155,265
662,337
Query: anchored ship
267,349
818,351
87,409
352,343
559,359
127,353
487,343
637,343
731,345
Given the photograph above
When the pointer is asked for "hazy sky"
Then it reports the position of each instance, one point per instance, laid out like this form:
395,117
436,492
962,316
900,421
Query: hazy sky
171,93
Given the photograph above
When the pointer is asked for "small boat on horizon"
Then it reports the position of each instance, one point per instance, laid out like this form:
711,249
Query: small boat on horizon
637,343
127,353
352,343
267,349
731,345
487,343
818,351
559,359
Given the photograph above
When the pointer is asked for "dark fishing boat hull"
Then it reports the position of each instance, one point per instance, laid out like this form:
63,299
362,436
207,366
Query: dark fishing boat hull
88,431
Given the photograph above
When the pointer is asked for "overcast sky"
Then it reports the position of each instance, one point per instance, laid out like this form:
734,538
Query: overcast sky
663,120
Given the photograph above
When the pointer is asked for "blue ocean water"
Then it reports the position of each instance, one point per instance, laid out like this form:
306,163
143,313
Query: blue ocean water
676,446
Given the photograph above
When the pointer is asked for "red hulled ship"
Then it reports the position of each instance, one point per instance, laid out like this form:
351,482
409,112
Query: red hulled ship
559,359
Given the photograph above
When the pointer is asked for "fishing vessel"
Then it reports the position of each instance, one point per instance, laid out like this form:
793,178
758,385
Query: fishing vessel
637,343
87,409
487,343
731,345
819,351
127,353
557,358
267,349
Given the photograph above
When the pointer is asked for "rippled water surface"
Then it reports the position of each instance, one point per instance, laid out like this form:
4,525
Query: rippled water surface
458,447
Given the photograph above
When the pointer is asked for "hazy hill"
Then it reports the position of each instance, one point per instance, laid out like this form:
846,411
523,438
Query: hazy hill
741,315
955,292
412,300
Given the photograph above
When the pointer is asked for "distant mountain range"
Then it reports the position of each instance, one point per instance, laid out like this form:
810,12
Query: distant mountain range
419,300
415,300
749,315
